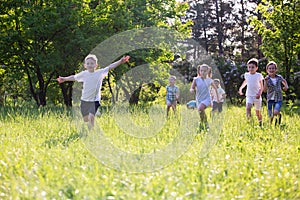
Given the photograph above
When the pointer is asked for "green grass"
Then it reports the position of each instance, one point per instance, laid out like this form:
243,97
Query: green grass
43,157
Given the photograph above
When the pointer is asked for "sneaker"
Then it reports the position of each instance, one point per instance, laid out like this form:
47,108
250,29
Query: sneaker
207,126
200,127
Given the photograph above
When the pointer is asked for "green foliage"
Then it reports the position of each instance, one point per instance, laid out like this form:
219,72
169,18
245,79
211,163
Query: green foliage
43,39
280,34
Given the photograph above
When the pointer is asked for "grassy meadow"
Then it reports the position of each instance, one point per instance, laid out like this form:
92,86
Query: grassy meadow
45,156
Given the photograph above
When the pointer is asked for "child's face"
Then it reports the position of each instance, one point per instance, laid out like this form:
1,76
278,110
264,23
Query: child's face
204,72
90,64
272,69
252,68
216,83
171,81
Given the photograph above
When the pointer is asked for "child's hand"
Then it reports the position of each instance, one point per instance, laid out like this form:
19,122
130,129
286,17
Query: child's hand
285,88
192,90
241,93
257,96
60,79
125,59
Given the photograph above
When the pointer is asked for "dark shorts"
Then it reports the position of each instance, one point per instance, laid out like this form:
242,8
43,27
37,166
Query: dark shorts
217,106
87,107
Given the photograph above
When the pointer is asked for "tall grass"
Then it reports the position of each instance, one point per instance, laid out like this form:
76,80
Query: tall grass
43,156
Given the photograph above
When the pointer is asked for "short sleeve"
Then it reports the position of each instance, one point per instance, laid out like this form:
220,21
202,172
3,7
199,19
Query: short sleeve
222,91
246,76
80,76
210,81
105,71
261,77
281,78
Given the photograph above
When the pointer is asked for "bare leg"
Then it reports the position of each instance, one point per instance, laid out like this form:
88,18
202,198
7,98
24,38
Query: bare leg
271,119
248,111
203,117
174,108
259,117
277,115
91,120
168,109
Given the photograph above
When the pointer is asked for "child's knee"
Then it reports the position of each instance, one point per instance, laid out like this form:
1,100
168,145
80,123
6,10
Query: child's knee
276,112
258,113
91,117
86,118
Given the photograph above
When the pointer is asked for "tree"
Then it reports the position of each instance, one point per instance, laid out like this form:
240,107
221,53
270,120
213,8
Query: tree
132,14
280,33
35,38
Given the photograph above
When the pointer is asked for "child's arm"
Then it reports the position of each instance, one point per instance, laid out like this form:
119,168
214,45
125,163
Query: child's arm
192,89
177,94
260,89
223,96
119,62
266,84
62,79
216,91
242,87
285,85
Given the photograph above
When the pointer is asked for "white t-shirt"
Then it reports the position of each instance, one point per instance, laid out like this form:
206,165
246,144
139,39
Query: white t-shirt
92,83
253,83
220,93
274,81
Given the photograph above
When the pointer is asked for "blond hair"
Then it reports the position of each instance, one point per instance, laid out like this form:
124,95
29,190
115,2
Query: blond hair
173,77
271,63
217,80
92,56
209,70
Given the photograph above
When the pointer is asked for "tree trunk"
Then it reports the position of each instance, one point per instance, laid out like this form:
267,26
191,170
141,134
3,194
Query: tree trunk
31,88
219,29
135,97
67,90
110,89
42,91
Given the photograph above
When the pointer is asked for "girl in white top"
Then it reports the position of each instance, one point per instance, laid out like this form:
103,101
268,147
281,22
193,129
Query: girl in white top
220,93
254,82
92,82
202,84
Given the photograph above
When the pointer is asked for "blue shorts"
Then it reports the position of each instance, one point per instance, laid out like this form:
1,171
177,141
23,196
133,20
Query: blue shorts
272,105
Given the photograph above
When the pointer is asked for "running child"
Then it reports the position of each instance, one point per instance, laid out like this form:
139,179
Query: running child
273,86
172,94
220,93
92,82
202,84
254,82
